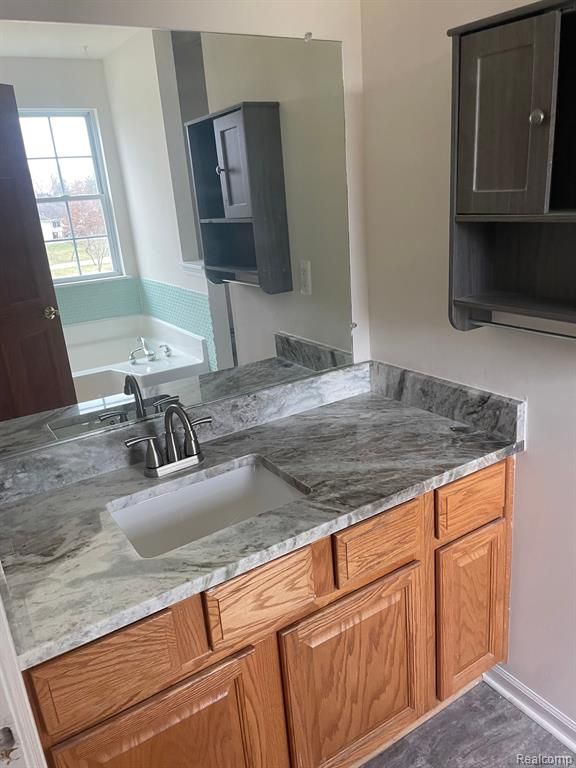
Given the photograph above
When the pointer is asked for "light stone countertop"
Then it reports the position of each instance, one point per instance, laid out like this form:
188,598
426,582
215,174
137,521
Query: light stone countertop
70,575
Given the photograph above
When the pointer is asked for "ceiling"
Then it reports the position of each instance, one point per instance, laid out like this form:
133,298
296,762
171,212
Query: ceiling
60,41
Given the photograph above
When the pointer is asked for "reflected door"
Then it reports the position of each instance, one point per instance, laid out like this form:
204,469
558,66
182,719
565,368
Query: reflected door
34,369
232,165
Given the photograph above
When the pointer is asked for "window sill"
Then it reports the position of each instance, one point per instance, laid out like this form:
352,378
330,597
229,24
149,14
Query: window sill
91,281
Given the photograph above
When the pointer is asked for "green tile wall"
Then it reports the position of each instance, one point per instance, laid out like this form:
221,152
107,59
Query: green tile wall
189,310
185,309
83,302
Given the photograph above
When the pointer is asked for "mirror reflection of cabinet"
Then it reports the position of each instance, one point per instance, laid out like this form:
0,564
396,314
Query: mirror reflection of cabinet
238,173
232,167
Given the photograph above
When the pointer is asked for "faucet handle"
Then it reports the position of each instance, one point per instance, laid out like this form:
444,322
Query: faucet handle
191,442
122,415
154,457
203,420
169,400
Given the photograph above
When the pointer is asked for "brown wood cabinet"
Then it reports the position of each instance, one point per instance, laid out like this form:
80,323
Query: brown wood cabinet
471,607
316,660
354,671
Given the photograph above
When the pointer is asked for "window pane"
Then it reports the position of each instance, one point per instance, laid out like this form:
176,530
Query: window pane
54,221
95,256
71,136
37,138
45,179
87,218
78,176
62,259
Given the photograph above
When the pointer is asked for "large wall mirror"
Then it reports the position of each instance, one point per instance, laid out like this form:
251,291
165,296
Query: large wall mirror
174,221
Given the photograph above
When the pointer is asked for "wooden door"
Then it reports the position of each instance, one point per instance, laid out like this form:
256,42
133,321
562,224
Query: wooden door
354,672
34,369
233,165
471,606
229,716
507,77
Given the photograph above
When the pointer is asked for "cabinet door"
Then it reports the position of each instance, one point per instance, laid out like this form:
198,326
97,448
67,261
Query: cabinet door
217,719
353,672
471,606
233,165
507,77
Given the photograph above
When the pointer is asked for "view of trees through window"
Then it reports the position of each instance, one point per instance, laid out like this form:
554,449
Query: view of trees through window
72,203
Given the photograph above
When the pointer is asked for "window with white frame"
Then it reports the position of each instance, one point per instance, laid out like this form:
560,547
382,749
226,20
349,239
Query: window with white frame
70,185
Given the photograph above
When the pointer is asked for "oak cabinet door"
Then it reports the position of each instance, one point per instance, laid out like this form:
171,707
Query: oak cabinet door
471,606
233,165
216,719
506,120
353,672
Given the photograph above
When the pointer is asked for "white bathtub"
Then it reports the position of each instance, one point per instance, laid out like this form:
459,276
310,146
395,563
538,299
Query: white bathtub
99,351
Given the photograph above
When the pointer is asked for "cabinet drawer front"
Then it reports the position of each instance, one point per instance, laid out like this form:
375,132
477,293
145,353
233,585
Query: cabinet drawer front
254,602
381,544
469,503
471,606
91,683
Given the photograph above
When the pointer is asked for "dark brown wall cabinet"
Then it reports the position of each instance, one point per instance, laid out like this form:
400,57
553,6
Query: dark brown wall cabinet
513,212
238,173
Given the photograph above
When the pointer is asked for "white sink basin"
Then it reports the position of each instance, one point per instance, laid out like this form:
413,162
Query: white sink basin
162,523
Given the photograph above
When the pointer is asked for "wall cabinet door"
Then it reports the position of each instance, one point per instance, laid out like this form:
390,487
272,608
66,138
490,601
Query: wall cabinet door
353,672
217,719
471,606
507,77
233,165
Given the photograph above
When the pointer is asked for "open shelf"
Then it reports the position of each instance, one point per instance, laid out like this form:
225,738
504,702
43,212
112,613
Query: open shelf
235,221
519,304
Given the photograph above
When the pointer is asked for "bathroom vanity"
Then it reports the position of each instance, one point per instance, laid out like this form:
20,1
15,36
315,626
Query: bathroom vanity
324,654
309,635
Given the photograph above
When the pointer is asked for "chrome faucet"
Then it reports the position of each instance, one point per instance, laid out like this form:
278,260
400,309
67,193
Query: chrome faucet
149,353
131,387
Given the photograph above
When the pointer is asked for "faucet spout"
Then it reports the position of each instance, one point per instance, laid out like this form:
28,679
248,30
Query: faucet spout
191,442
131,387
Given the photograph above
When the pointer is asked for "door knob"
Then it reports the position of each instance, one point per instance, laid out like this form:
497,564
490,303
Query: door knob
537,117
50,313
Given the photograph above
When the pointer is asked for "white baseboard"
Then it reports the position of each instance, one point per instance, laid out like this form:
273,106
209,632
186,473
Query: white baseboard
533,705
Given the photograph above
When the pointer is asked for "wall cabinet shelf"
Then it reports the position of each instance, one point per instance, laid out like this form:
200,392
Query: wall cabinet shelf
513,210
238,175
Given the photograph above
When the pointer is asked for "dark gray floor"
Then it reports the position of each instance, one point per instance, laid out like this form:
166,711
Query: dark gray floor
479,730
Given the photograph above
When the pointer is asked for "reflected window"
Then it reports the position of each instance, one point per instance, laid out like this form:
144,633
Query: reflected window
70,184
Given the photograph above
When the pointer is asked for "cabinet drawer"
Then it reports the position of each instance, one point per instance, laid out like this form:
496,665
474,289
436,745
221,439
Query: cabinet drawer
256,601
91,683
469,503
381,544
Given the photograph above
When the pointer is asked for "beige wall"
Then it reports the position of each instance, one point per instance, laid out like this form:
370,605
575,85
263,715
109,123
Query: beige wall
407,112
306,78
134,90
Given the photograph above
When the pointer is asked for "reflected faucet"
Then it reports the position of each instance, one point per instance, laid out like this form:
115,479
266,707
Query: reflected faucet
148,352
131,387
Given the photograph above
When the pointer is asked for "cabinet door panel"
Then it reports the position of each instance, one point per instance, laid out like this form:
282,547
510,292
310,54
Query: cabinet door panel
506,73
353,671
471,606
233,165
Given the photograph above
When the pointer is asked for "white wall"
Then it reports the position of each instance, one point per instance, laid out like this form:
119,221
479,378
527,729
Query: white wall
136,104
407,112
75,84
306,78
